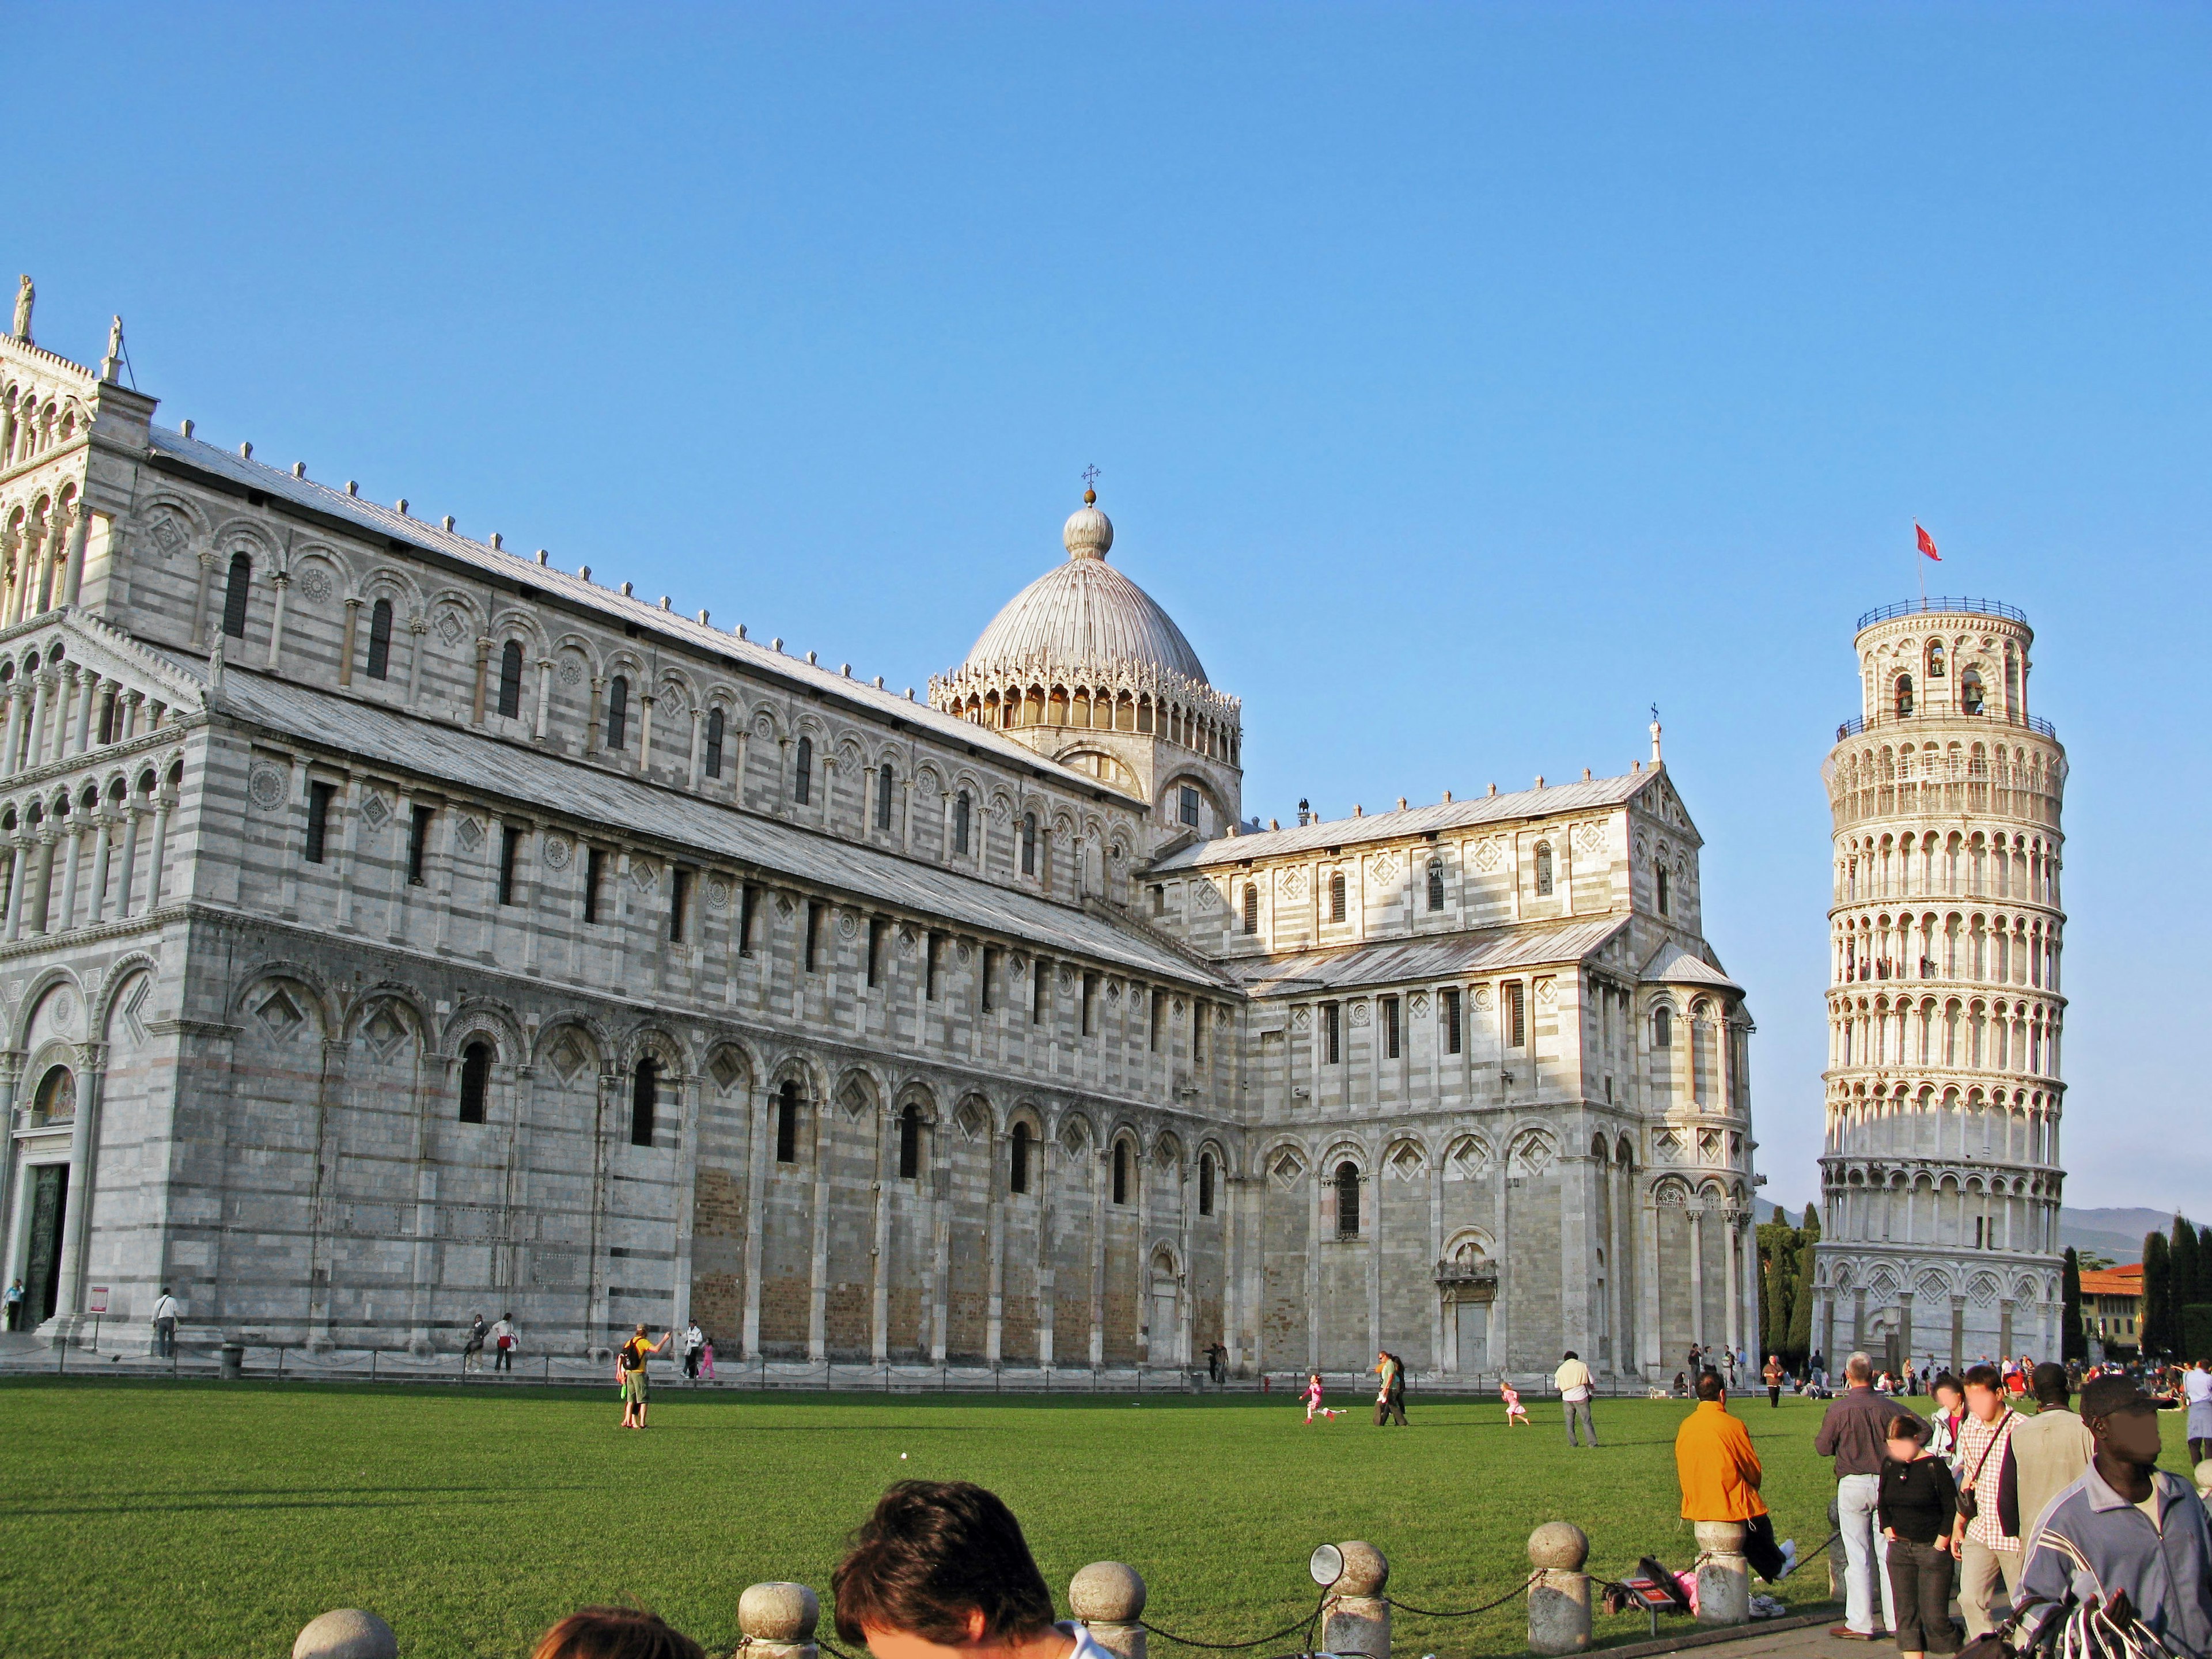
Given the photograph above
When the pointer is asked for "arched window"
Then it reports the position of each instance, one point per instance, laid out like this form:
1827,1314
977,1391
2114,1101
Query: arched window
1904,695
1017,1172
510,679
644,1097
960,815
1543,869
618,710
886,781
1028,843
1664,906
1663,1028
1436,887
1206,1183
235,596
786,1123
1936,660
1336,896
476,1079
910,1143
1121,1172
379,639
57,1096
1347,1199
1251,907
713,743
1970,692
802,777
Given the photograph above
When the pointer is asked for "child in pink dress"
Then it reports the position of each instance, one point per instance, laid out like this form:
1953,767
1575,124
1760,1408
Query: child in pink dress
1514,1410
1314,1408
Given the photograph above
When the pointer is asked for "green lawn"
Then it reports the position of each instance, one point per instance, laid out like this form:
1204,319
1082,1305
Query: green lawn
209,1519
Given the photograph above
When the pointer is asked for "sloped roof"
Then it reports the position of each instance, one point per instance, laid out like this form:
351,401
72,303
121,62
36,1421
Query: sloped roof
1671,964
2114,1281
476,764
1548,802
377,521
1492,950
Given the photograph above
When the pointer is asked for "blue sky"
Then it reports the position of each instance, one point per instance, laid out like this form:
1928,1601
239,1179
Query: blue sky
1462,380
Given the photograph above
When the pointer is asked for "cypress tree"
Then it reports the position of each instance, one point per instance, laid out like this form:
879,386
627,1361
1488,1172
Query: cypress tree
2073,1334
2156,1329
1801,1296
2182,1275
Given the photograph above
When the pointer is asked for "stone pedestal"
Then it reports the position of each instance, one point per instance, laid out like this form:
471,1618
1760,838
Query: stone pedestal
1356,1618
778,1620
346,1634
1559,1593
1108,1597
1724,1576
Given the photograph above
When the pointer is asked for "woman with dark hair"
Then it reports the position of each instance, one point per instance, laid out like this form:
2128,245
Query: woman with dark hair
940,1571
1918,1501
614,1633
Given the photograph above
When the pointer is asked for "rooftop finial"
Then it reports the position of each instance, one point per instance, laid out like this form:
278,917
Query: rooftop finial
26,294
1090,477
1654,734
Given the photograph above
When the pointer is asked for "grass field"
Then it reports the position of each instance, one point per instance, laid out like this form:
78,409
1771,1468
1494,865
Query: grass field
211,1519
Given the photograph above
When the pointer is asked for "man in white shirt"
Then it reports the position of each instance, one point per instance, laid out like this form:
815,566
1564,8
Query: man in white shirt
694,1340
1576,1386
166,1313
503,1339
2197,1394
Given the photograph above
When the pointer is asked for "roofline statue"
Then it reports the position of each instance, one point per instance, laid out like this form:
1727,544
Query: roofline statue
26,295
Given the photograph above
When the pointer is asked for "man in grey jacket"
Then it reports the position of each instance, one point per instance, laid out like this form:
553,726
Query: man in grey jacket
2125,1529
1855,1431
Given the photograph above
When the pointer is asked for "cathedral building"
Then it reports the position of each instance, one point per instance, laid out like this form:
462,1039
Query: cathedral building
397,928
1941,1179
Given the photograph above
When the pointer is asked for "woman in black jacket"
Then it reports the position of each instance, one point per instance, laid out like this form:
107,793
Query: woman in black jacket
1918,1501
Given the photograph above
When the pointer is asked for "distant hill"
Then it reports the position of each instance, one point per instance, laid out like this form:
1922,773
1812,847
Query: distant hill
2115,1233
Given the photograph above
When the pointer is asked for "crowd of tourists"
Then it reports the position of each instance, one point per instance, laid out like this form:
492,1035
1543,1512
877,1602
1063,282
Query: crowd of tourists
2063,1507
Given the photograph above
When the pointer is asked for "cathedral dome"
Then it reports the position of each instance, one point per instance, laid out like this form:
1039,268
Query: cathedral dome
1085,615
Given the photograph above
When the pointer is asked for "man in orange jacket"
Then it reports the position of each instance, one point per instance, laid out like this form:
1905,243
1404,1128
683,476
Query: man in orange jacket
1719,1476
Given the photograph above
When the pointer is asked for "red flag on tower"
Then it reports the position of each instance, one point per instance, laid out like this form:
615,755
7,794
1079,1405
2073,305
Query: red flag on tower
1927,543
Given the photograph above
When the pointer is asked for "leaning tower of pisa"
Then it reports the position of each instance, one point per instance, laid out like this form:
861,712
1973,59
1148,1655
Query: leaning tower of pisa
1940,1174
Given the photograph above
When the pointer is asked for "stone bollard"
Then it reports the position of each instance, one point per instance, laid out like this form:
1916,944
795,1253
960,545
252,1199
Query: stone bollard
777,1620
1358,1619
1839,1565
1108,1599
1724,1576
346,1634
1559,1595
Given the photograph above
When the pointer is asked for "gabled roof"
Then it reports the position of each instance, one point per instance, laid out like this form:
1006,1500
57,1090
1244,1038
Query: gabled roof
1548,802
474,763
2114,1281
379,522
1492,950
1671,964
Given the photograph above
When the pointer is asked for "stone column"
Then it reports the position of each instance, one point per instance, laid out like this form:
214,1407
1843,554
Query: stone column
418,626
777,1621
1697,1218
345,649
1100,1182
483,662
1109,1599
34,737
89,690
131,813
164,803
1558,1590
645,702
592,722
282,579
698,750
1724,1576
1356,1615
1047,1280
762,1148
103,828
200,599
44,876
78,823
1649,1335
11,746
817,1255
348,857
994,1246
92,1068
544,697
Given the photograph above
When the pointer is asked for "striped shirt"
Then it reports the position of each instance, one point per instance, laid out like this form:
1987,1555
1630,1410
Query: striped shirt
1977,1437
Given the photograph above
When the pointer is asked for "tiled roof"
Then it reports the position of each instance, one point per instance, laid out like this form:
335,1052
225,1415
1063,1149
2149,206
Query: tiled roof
1548,802
1446,955
382,521
476,764
2114,1281
1671,964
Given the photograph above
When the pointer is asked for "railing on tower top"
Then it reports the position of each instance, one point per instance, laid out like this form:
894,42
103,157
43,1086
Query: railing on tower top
1972,607
1858,724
